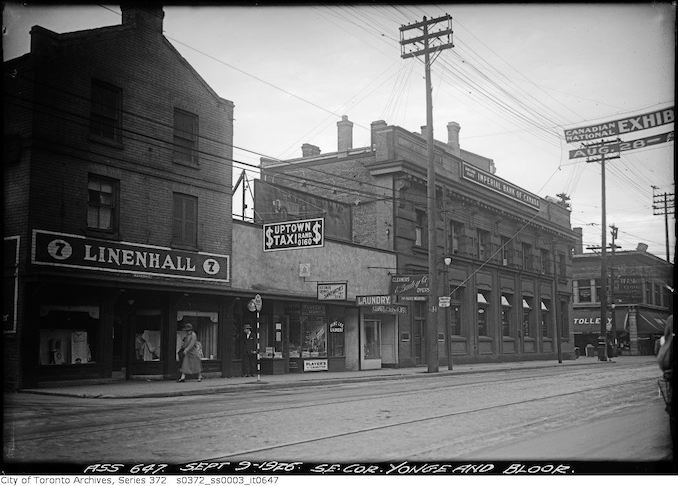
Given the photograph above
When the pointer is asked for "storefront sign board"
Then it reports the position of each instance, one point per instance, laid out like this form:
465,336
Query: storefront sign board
74,251
621,146
387,309
291,235
410,287
332,291
315,365
369,300
494,183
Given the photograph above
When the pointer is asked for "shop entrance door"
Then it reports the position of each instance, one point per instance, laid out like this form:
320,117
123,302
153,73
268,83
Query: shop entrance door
371,334
119,348
418,341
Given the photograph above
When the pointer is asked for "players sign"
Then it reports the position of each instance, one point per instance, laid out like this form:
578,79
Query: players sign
288,235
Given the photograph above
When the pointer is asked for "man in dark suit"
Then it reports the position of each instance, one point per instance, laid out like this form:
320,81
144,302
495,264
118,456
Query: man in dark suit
249,358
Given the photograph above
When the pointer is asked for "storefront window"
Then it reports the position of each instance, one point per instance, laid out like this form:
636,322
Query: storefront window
506,314
527,316
315,337
147,337
206,327
294,313
68,334
545,319
483,303
372,339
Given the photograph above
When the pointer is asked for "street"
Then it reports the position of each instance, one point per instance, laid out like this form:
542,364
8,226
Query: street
596,412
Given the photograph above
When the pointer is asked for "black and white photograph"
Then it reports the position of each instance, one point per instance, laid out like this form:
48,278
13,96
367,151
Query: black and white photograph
261,242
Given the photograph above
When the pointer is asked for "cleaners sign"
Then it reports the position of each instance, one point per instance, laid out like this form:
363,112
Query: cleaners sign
288,235
619,127
74,251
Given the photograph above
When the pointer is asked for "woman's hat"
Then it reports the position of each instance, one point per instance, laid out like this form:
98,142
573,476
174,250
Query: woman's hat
188,327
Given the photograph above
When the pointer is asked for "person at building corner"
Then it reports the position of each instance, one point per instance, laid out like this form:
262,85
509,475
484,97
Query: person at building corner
249,358
666,362
190,355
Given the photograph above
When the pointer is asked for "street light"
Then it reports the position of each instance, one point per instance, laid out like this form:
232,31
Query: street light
448,261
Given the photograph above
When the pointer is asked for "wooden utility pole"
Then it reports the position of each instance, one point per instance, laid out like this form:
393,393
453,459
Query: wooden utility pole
426,43
604,155
660,205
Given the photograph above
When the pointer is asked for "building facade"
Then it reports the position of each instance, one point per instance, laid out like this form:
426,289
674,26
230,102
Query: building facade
117,207
510,274
640,298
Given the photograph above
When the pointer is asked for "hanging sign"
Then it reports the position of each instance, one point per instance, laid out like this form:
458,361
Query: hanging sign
410,287
618,127
332,291
614,147
290,235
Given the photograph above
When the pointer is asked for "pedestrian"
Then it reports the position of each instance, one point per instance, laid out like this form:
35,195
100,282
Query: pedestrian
189,355
665,360
249,359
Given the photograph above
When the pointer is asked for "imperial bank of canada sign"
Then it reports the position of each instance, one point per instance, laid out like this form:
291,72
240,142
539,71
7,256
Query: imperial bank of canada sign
78,252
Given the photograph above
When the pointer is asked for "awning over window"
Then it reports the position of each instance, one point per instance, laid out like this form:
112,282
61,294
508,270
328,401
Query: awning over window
481,298
543,307
505,302
526,305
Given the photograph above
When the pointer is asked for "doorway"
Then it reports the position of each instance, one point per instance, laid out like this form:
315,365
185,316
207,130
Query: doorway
371,349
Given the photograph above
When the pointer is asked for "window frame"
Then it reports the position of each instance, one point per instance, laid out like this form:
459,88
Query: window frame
114,205
103,115
179,238
184,143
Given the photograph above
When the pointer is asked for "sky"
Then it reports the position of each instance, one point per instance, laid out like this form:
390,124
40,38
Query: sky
517,77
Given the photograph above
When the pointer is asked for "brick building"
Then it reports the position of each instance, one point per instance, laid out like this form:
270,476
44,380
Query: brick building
639,299
510,277
117,208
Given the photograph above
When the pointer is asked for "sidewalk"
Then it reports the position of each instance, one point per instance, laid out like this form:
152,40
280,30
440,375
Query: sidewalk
170,388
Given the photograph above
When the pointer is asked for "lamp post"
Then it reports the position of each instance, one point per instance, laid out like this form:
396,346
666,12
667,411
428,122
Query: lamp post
448,261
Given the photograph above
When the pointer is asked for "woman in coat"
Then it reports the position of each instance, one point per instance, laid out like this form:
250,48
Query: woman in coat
189,355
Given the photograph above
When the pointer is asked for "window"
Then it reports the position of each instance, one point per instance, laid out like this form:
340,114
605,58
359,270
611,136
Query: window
527,256
484,250
506,314
105,111
68,334
506,253
102,203
545,318
597,285
648,292
420,237
584,290
657,294
545,261
456,233
457,299
148,336
483,299
185,137
527,316
185,228
314,337
562,264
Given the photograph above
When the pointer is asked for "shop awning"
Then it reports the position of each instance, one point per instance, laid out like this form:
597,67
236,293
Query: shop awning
650,322
505,302
526,305
543,307
481,298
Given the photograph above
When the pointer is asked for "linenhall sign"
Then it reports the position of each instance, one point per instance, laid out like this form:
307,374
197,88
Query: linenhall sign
618,127
496,184
288,235
78,252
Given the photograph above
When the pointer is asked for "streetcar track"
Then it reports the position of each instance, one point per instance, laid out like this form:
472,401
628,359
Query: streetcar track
149,422
249,452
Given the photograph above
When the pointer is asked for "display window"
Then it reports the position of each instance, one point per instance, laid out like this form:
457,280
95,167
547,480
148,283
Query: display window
148,336
206,327
68,335
372,346
336,339
314,344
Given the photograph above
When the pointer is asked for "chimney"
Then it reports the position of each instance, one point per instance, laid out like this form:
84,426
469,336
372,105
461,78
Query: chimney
578,245
375,127
345,134
424,131
143,15
308,150
641,247
453,137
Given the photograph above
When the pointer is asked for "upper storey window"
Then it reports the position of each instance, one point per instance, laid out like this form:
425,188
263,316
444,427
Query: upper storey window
185,137
106,111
